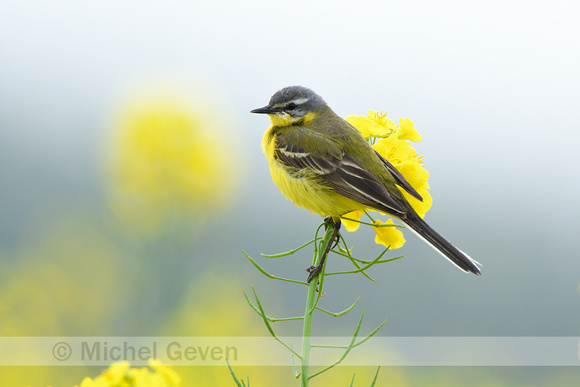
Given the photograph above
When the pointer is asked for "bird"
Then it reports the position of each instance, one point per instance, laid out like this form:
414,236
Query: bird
323,164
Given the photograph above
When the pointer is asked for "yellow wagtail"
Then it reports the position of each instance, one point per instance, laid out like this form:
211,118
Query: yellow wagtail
322,163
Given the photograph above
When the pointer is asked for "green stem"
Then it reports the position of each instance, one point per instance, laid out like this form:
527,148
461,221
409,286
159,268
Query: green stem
310,306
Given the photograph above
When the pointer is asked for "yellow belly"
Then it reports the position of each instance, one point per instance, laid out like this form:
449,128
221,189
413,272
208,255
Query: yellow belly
307,190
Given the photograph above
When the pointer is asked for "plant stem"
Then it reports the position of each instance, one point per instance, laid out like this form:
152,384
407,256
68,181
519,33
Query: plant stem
310,304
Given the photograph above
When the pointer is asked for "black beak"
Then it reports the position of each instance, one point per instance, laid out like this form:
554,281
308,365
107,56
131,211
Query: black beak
264,110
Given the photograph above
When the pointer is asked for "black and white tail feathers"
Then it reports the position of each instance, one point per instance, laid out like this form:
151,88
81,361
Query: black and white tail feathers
442,245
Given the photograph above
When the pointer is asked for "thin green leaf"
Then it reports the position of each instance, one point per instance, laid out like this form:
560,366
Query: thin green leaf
294,369
346,351
376,376
271,276
238,383
352,259
372,224
370,334
361,341
270,319
376,261
269,327
287,253
339,314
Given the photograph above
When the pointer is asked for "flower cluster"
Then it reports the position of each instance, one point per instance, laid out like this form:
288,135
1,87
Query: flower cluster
121,375
393,143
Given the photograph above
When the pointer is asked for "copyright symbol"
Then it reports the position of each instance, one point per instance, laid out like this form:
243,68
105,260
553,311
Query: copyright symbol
61,351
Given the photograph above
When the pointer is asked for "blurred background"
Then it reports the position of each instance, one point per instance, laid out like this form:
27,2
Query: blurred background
132,175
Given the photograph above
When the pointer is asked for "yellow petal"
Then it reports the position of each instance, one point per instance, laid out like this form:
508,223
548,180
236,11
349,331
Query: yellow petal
408,131
165,371
116,372
361,124
381,131
415,174
395,150
383,147
88,382
349,224
420,207
388,236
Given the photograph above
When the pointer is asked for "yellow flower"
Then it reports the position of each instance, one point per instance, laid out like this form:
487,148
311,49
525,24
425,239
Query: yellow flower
374,125
403,157
168,159
121,375
88,382
417,176
352,225
388,236
396,148
381,120
116,373
166,371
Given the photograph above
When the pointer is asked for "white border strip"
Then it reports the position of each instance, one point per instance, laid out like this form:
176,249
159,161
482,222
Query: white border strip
265,351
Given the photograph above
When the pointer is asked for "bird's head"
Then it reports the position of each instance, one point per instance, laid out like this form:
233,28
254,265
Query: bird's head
292,105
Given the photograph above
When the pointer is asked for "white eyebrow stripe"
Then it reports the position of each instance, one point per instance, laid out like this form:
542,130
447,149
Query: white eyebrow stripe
299,101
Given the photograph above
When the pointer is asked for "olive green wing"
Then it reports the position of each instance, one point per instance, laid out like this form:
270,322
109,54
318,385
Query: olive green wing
304,151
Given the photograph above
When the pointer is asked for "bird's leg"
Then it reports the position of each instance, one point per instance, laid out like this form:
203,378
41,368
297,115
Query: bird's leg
334,238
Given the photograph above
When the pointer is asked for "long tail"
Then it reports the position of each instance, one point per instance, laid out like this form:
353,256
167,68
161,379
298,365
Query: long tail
444,247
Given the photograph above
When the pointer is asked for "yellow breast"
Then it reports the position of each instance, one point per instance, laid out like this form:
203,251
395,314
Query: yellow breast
306,190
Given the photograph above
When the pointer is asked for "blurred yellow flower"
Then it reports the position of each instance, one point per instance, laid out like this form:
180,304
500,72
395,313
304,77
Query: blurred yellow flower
166,371
392,142
222,311
66,282
121,375
169,160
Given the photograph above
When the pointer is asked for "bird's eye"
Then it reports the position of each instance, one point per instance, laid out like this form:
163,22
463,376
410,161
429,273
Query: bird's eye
291,106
